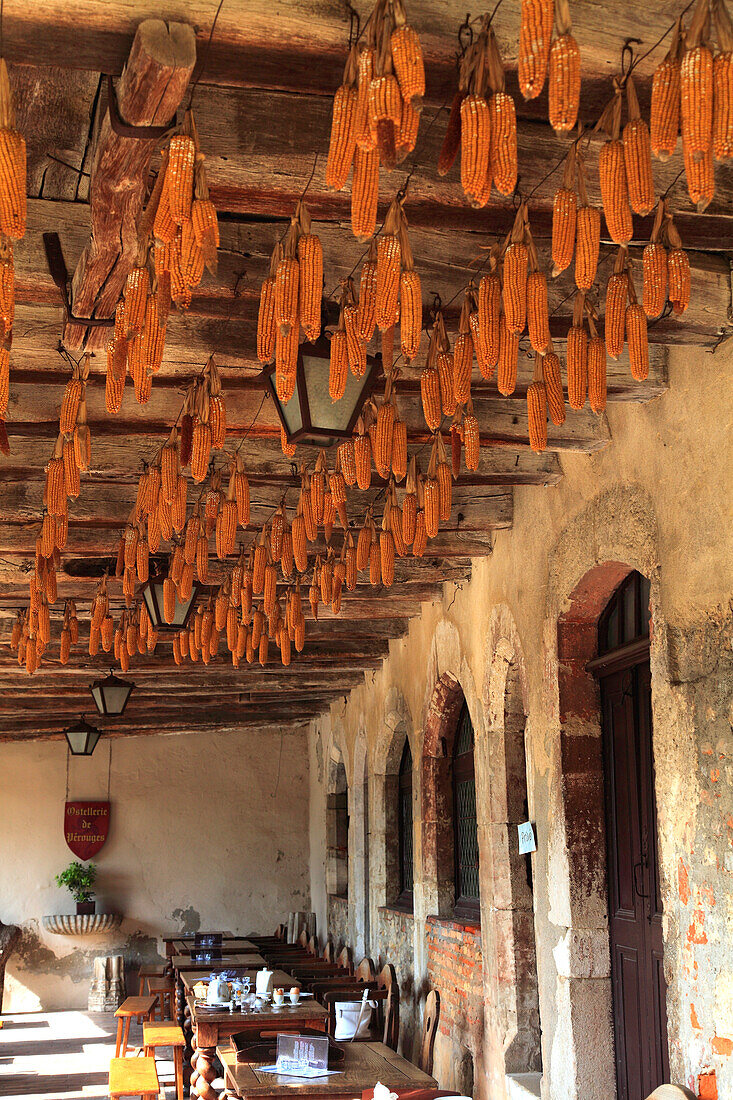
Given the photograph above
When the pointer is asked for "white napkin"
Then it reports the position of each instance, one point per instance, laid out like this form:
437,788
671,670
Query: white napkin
381,1092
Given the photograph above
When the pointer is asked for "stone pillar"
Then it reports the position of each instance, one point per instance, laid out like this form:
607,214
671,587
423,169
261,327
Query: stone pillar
107,991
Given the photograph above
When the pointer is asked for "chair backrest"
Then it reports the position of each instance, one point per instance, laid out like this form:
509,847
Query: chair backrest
313,947
365,971
328,951
344,960
429,1031
280,932
387,980
671,1092
303,939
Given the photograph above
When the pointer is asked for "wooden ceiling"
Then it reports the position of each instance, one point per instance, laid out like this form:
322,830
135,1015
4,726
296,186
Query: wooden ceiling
263,112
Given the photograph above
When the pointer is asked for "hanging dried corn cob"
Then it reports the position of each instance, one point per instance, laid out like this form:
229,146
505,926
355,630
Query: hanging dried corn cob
636,334
356,350
723,83
552,377
538,315
596,366
364,193
266,327
564,216
577,356
664,123
452,139
678,268
410,295
471,438
612,172
588,240
12,165
537,408
366,319
617,294
475,139
429,378
506,373
654,263
535,32
637,154
388,267
489,306
463,352
696,100
342,143
310,283
503,123
384,428
564,72
516,259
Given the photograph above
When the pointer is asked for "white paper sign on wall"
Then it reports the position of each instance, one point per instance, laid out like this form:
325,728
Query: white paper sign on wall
527,842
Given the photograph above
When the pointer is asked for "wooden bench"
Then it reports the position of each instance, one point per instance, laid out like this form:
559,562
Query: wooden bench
139,1007
133,1077
164,990
147,972
166,1035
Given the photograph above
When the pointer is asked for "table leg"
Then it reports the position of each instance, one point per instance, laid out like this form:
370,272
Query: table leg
206,1074
188,1049
194,1058
118,1045
178,1063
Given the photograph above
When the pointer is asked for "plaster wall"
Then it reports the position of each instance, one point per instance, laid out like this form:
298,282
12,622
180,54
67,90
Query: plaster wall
206,831
657,499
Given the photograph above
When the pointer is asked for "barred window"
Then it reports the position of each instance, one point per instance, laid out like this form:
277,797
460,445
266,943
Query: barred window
404,828
465,830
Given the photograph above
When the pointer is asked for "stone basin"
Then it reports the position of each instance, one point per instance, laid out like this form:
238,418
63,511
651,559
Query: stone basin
81,924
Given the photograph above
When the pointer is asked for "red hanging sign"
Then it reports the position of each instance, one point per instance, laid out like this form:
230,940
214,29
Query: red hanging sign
86,825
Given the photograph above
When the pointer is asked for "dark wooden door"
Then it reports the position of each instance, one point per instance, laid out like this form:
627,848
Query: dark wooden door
635,908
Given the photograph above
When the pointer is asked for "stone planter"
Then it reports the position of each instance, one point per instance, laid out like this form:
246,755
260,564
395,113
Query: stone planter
81,924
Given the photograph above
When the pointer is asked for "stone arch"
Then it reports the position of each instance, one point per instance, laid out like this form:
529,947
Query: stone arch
386,756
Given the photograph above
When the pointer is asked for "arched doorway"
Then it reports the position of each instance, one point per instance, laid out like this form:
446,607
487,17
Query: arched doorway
634,900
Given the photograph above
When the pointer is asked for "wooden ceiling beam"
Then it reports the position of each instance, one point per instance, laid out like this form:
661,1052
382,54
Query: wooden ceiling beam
149,91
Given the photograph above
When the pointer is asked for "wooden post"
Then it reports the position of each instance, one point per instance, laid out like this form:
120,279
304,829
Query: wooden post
162,58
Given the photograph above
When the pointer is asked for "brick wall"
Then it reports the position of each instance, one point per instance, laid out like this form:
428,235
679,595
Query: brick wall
455,970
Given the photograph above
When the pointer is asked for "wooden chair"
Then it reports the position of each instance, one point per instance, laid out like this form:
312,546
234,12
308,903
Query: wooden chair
146,972
328,951
365,971
165,991
141,1008
345,961
313,947
133,1077
429,1031
387,980
166,1035
302,940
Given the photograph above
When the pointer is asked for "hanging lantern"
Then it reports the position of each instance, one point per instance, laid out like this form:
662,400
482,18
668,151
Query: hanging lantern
310,415
111,695
152,593
82,738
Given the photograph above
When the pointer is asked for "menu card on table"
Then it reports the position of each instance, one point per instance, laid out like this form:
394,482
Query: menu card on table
301,1056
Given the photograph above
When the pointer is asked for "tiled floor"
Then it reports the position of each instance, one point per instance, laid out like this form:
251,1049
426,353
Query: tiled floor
61,1055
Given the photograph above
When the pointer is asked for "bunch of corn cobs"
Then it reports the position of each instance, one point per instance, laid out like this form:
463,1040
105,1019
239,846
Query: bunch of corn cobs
12,227
376,111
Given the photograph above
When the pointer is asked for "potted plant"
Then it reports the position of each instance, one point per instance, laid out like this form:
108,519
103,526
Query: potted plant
79,881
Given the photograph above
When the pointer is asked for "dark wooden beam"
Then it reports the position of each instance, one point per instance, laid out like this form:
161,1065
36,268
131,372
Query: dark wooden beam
149,91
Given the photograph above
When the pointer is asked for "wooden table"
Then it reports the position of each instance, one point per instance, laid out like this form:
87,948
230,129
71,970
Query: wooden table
233,946
210,1028
189,937
280,979
248,959
364,1064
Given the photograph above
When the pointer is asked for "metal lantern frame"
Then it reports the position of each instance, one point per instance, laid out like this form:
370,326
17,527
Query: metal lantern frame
320,349
90,735
99,691
152,594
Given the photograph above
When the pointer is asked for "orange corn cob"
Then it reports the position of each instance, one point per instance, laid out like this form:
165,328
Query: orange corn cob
399,450
597,373
577,366
385,101
462,364
338,366
489,297
406,136
347,461
356,351
179,177
408,62
286,294
445,368
12,183
430,392
266,321
553,387
665,110
700,177
678,271
420,541
471,442
655,279
410,314
537,416
366,138
192,258
364,193
475,141
636,336
386,557
615,192
388,280
587,246
723,105
535,32
506,375
363,461
70,405
201,450
367,300
382,444
71,470
564,83
503,143
310,285
515,286
616,297
538,318
431,507
564,218
696,91
136,300
638,162
342,144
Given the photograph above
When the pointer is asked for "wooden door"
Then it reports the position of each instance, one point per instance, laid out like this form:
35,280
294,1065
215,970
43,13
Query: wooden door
635,908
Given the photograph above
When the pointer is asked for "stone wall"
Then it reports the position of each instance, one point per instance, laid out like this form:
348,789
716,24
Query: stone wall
203,834
513,641
338,920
